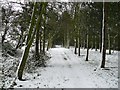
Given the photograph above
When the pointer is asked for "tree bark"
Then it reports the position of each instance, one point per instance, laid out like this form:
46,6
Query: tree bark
44,32
40,41
68,40
26,52
87,47
76,42
24,57
95,43
104,35
37,45
109,42
100,41
32,23
79,42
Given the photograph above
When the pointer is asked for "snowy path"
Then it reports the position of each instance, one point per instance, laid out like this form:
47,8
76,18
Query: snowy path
66,70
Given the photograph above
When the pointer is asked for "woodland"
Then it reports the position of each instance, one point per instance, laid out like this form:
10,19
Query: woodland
47,42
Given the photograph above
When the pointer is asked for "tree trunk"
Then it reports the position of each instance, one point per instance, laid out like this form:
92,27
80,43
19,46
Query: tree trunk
79,44
26,52
87,47
95,43
100,36
32,23
44,40
65,40
51,43
37,45
81,41
40,41
44,32
68,40
92,42
67,37
104,36
84,42
109,42
118,44
24,57
76,42
100,41
48,45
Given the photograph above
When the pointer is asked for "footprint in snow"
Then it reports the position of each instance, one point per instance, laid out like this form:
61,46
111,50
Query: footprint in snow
65,58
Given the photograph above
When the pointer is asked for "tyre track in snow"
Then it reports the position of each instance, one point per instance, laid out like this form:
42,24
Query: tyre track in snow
71,69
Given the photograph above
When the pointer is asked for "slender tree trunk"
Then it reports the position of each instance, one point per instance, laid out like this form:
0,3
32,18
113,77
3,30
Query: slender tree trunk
65,40
113,45
79,50
24,57
100,43
51,43
95,43
109,42
79,43
40,41
100,36
48,45
68,40
44,32
87,47
118,44
37,45
26,52
32,23
76,42
92,42
104,36
84,42
44,40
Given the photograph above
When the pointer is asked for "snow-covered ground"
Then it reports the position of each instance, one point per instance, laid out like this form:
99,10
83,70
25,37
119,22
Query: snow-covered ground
67,70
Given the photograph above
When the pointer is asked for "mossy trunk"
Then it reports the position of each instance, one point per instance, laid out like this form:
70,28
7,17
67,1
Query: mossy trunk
24,57
26,52
32,24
